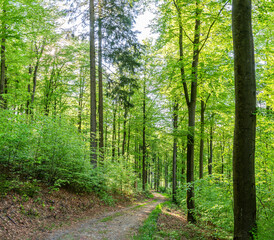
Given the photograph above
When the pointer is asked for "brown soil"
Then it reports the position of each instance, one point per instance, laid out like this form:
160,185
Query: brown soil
119,225
22,217
174,220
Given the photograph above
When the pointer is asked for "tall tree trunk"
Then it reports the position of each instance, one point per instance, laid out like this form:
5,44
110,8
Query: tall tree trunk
93,143
144,139
100,78
29,94
124,131
245,122
80,100
166,173
201,159
3,83
128,141
210,151
191,103
114,132
118,132
191,118
175,140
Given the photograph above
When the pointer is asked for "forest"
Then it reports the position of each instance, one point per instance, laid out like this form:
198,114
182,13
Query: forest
89,108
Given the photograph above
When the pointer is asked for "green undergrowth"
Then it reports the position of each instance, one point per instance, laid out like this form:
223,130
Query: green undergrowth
48,151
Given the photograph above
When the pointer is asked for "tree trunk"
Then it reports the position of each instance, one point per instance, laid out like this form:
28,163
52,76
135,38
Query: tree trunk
210,151
114,132
245,122
128,141
166,174
191,119
124,132
3,83
93,143
201,159
100,78
174,169
191,103
118,132
144,139
80,99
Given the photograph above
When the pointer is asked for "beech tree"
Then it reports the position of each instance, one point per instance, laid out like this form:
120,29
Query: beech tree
245,122
93,142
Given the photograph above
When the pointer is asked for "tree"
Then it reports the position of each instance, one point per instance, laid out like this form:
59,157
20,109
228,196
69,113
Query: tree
245,122
93,143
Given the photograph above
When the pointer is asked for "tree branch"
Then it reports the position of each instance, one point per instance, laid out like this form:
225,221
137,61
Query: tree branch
212,24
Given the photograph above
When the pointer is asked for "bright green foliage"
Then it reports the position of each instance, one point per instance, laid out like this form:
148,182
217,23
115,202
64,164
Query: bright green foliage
49,150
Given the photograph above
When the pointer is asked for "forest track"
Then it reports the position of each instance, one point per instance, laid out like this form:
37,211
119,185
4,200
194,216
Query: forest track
120,225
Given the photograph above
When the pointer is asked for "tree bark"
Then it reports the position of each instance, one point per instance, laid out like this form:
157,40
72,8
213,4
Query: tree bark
100,79
124,131
114,133
210,151
201,159
3,83
191,104
144,140
191,118
245,122
175,140
93,143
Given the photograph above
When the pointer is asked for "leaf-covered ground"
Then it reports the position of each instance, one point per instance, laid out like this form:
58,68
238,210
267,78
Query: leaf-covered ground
63,215
22,217
172,224
118,225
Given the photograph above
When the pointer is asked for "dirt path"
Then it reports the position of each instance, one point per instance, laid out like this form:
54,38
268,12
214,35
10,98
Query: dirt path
120,225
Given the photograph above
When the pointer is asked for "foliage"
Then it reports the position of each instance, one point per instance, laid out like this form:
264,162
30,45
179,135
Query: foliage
49,150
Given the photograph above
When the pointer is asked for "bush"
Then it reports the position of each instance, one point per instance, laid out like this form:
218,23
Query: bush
48,150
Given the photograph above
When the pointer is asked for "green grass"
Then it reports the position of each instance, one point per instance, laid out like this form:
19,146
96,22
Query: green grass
149,228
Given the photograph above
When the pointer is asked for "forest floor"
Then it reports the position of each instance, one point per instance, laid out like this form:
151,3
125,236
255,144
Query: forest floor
62,215
33,218
117,225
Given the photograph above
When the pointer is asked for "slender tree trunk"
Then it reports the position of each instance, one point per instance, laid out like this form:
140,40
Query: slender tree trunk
124,131
3,83
80,100
166,174
210,151
100,79
191,118
201,160
114,133
175,139
106,145
93,143
245,122
222,154
29,94
191,103
144,139
128,141
118,132
159,175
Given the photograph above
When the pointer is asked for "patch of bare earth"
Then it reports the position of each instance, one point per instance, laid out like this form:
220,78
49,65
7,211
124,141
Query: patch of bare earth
119,225
171,220
22,217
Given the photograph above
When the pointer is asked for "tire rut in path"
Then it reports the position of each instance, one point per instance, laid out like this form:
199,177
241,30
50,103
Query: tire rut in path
120,225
